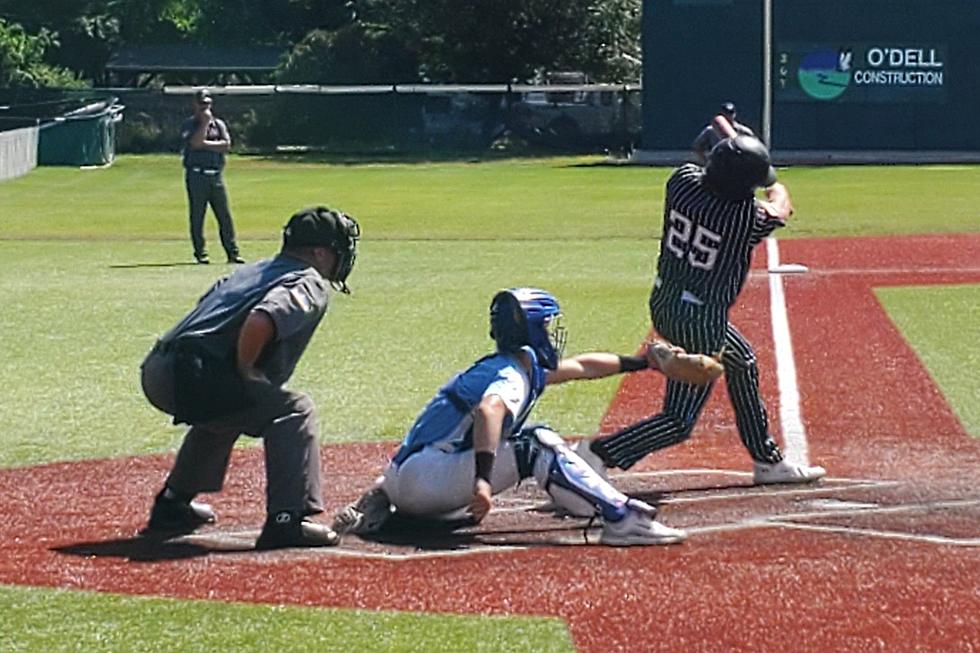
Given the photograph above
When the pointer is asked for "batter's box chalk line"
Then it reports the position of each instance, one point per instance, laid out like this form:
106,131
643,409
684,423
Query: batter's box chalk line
822,497
243,541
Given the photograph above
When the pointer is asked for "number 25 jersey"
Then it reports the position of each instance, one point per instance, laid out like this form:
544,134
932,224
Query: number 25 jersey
707,242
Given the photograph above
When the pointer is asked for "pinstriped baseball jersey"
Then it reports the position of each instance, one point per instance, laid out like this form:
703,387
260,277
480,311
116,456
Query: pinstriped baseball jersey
704,260
707,242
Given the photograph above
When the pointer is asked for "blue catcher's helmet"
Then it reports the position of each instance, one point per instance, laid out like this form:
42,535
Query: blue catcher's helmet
528,317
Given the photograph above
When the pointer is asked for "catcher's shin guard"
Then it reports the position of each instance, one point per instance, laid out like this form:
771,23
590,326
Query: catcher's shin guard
571,483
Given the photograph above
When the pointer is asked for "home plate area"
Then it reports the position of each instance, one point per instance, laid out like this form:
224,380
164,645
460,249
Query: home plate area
708,503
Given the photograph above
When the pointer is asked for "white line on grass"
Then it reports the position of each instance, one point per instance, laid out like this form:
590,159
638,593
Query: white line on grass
790,416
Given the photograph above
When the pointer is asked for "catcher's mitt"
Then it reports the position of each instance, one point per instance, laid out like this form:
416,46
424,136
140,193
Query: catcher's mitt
679,365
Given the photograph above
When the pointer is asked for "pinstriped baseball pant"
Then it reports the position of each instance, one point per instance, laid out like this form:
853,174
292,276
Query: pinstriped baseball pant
706,331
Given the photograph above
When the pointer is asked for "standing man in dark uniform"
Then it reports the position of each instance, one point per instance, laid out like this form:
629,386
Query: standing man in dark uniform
712,222
223,367
205,141
709,136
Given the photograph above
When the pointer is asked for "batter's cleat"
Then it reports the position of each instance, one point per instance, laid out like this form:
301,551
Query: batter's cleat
584,450
786,472
639,527
365,516
285,530
175,516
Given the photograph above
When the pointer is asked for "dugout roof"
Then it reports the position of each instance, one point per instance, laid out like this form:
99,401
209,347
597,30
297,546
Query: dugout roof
192,64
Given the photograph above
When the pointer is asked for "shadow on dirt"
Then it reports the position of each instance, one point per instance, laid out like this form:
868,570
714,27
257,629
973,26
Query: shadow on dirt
142,548
424,534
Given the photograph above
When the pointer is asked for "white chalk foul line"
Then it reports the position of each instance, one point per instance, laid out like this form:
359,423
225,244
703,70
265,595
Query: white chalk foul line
790,415
890,535
793,520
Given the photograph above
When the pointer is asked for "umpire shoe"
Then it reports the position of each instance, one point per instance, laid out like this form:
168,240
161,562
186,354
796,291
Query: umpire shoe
174,516
202,259
235,258
786,472
285,529
638,527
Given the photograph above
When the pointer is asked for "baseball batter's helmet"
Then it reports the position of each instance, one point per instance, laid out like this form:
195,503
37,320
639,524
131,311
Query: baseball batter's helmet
528,317
728,109
319,226
737,166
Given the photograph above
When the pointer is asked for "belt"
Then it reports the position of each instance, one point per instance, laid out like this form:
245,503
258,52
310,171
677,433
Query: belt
206,171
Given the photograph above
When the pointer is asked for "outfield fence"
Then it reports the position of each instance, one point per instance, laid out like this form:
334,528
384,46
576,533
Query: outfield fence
580,118
18,148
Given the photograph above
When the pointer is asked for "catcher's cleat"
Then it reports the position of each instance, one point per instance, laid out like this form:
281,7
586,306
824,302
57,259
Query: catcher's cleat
175,516
285,530
367,515
639,527
786,472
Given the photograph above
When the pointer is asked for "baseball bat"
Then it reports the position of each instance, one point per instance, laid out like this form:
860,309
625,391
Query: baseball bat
724,127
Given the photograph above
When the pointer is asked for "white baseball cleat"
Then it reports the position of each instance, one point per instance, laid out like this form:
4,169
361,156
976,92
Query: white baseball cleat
590,458
638,528
786,472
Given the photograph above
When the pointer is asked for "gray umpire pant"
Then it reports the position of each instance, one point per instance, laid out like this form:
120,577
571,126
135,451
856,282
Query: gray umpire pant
205,188
703,330
286,421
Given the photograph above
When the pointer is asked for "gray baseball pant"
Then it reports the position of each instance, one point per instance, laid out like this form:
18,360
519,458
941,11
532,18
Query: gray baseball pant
285,420
201,190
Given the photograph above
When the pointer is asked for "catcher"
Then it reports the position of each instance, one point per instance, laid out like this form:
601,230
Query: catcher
471,441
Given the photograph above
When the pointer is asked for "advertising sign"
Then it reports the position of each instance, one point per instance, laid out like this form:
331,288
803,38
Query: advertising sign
860,72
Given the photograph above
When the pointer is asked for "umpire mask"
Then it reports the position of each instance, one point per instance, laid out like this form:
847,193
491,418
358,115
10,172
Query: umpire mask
320,226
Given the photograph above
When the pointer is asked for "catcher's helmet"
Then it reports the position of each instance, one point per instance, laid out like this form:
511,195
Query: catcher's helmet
528,317
737,166
319,226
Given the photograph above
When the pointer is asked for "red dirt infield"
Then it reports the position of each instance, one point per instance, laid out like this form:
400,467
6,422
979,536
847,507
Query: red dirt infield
882,555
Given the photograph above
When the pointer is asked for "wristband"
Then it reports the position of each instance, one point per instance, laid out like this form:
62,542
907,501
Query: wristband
632,363
484,464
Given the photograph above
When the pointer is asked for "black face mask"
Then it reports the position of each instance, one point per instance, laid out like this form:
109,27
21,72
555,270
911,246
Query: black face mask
345,247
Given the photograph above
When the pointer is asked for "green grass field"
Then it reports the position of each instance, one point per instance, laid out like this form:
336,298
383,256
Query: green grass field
59,620
93,268
947,346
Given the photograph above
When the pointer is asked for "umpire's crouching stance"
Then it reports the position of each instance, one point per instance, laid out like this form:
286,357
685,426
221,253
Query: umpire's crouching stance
222,370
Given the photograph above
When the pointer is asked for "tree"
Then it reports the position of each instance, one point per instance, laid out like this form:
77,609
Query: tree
22,62
501,40
351,55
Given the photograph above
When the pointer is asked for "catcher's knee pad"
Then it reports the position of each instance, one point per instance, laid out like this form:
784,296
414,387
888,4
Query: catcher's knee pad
572,484
527,446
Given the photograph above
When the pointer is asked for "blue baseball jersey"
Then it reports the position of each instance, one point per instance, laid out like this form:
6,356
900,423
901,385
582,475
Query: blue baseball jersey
448,418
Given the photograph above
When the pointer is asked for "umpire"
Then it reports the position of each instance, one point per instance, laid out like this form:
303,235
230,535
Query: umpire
712,222
221,369
205,140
